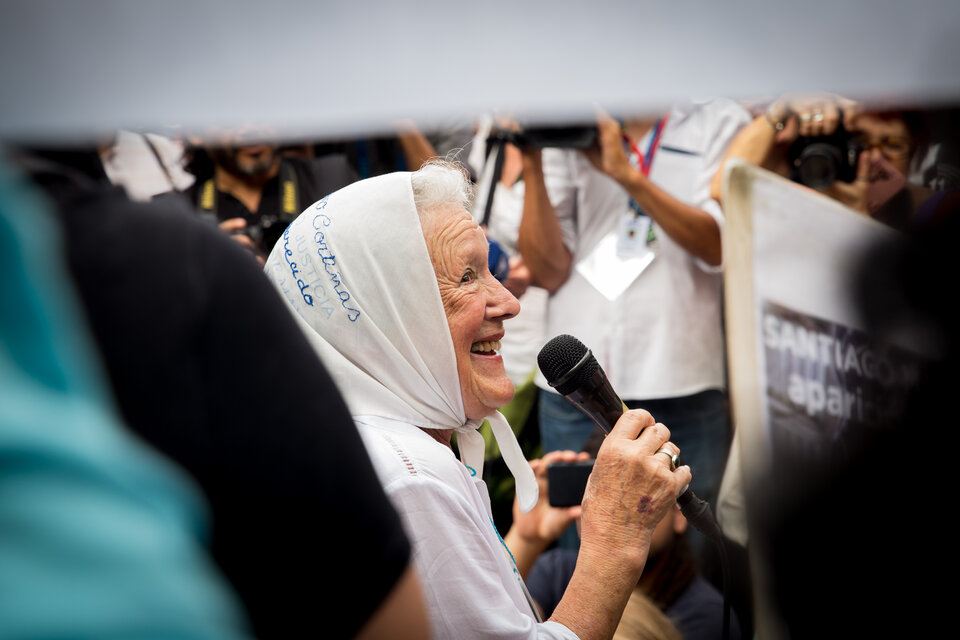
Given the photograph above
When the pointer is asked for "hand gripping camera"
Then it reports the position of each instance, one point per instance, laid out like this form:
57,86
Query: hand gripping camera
819,161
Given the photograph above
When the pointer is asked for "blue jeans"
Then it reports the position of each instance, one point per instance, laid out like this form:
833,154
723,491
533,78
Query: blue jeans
562,426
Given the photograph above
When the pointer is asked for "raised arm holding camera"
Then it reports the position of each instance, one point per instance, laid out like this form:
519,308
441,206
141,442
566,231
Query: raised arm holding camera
627,238
833,145
691,227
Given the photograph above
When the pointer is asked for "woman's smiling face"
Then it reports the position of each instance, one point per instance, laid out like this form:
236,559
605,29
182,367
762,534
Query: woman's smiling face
476,305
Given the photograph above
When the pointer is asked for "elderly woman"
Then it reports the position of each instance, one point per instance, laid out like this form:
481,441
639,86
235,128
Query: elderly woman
388,278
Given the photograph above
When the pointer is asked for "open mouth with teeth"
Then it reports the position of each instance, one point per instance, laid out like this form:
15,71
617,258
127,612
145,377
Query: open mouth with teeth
485,347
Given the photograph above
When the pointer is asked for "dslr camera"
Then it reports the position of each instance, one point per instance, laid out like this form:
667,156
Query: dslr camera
565,137
819,161
266,231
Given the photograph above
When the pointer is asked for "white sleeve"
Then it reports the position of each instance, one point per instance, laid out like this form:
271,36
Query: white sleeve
471,585
724,118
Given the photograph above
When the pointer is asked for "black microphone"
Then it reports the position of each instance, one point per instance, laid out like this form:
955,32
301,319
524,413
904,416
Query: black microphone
574,372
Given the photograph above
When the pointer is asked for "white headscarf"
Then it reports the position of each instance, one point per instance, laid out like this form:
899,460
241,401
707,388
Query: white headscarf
355,268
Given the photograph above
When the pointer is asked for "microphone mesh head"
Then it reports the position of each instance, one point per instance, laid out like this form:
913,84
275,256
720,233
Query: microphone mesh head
559,356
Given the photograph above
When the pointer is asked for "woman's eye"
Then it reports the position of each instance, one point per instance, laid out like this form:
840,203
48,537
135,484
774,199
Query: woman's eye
467,276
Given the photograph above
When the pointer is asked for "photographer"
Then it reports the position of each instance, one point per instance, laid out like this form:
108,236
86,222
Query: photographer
253,191
627,239
831,144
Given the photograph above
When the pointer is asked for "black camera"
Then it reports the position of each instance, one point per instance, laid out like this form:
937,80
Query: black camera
565,137
567,482
266,231
819,161
568,137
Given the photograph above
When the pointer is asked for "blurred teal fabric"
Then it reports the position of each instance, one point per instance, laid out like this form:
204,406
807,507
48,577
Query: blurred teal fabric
99,536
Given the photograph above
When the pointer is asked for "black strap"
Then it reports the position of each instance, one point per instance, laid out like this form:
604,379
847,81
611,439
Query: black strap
289,193
163,166
498,141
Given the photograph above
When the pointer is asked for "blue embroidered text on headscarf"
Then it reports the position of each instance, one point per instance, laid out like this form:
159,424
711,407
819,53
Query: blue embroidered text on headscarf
329,261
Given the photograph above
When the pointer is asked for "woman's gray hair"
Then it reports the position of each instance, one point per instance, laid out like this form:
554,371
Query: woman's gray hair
439,183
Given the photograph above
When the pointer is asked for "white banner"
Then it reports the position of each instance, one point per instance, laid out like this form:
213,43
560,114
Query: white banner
70,68
803,371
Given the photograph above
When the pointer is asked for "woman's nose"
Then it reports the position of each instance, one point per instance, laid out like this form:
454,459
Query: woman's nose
502,304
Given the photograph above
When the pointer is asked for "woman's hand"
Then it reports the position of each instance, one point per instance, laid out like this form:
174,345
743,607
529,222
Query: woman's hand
630,490
812,115
853,194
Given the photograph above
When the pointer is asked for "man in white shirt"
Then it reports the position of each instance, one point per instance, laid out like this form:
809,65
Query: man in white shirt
627,239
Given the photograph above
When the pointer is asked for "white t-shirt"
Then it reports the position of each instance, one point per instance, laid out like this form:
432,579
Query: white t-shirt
471,584
662,337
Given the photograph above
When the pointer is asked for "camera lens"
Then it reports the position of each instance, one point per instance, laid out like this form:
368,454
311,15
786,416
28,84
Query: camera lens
817,165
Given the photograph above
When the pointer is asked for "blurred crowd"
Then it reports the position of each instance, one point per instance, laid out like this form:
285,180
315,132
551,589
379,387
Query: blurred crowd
176,461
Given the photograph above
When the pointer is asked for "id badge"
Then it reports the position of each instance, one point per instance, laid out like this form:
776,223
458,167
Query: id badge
632,234
607,271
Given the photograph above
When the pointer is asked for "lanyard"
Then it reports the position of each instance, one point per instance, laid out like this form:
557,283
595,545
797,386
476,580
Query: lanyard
646,160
